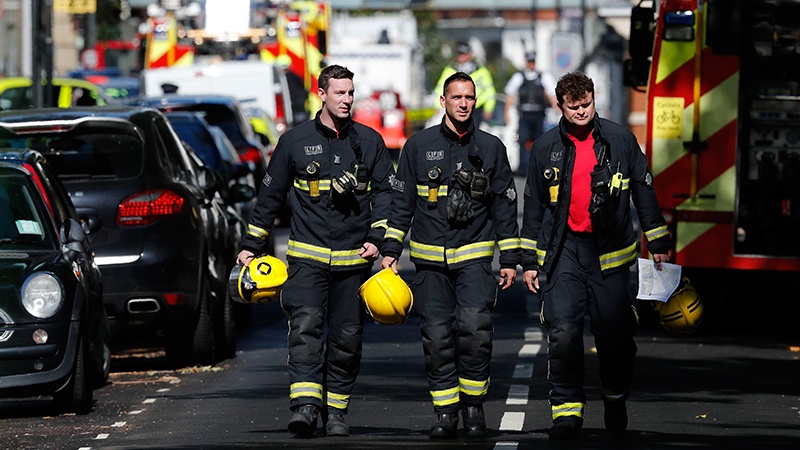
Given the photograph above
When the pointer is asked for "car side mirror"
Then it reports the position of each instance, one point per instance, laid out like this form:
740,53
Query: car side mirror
209,180
72,236
240,193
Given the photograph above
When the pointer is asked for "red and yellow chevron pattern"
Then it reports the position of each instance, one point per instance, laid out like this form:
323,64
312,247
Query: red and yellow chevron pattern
693,94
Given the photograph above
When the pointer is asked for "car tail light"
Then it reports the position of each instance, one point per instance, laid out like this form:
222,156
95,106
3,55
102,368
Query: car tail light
173,299
280,111
251,155
146,207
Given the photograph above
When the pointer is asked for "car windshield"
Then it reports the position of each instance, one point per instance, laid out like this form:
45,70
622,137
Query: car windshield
21,221
89,155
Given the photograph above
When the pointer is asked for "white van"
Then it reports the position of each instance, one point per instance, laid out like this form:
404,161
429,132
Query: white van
252,82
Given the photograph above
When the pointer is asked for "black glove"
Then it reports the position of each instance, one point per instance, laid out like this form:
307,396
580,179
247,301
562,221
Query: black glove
459,206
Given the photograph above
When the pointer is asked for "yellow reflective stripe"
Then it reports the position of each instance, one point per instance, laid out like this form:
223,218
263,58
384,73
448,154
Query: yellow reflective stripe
568,409
338,401
540,254
305,389
445,397
473,387
422,190
394,233
256,232
626,183
527,244
508,244
618,258
346,258
470,251
380,224
324,185
656,233
308,251
427,252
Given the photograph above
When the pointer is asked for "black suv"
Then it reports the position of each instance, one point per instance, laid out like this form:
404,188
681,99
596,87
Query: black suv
163,243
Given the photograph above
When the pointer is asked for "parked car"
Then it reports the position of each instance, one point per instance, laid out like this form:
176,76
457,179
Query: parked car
16,93
215,150
164,245
221,111
54,336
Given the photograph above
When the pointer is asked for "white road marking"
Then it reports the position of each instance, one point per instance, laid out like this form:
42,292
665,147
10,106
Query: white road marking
517,395
512,421
523,371
529,350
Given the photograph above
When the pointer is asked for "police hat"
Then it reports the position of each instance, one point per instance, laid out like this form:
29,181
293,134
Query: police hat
463,47
530,56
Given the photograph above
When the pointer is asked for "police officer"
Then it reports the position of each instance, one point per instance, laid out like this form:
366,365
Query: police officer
455,193
485,91
532,93
578,243
336,175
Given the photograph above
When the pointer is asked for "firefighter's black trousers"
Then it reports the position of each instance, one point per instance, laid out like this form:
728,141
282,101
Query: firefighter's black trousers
455,305
323,369
576,288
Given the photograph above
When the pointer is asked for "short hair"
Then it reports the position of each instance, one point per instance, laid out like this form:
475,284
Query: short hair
573,85
333,71
458,76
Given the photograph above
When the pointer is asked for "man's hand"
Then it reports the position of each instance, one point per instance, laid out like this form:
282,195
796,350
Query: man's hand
369,252
507,278
389,261
531,279
244,258
659,258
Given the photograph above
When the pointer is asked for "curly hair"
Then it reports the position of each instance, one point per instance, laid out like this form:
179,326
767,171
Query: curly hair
333,71
573,85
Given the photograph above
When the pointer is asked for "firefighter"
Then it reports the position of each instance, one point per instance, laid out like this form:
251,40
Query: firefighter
455,193
577,245
335,173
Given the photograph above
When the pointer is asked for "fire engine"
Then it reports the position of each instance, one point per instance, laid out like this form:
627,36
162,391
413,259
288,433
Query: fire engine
723,128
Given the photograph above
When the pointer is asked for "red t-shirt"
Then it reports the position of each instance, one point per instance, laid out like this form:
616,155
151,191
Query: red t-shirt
585,160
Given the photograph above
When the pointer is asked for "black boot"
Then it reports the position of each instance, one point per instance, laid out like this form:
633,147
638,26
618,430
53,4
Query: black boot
304,420
566,428
446,426
616,416
336,426
474,421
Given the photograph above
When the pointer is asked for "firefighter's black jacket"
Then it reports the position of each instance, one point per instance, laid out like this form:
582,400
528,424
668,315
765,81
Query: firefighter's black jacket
328,229
434,240
546,208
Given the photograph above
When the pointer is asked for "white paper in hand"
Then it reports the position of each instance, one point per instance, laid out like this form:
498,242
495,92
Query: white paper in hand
657,284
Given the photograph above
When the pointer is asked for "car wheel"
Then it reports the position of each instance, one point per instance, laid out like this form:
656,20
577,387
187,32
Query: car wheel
77,395
192,341
100,353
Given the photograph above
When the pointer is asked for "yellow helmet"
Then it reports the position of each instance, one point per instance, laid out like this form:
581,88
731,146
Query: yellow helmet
387,297
258,282
683,311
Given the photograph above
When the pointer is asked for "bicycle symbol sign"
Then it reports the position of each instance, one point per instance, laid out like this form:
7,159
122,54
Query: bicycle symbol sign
668,117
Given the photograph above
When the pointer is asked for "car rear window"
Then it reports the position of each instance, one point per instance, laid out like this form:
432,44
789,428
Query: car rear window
200,140
21,222
91,155
220,116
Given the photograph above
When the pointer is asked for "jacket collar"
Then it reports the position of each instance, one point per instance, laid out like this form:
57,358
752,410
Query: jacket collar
451,135
331,133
